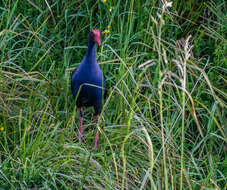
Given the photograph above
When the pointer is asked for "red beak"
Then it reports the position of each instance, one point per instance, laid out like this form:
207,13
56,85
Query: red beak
96,36
97,40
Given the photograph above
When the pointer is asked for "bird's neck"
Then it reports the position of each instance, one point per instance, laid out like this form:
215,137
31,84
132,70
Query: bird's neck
91,50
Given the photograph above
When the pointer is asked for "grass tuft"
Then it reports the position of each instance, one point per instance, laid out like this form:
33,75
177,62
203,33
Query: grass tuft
163,124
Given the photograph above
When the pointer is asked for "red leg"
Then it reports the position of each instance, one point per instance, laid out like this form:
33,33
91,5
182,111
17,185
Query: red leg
97,133
81,122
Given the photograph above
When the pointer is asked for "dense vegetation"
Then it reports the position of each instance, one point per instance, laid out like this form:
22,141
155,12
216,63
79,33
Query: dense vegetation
164,120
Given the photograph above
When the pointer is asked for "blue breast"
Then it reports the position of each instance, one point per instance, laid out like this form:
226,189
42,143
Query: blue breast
88,83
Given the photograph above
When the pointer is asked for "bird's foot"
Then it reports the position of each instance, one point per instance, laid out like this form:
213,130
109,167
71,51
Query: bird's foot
93,148
82,138
75,138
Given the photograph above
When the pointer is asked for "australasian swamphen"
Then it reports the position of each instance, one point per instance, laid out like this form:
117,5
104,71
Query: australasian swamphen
88,83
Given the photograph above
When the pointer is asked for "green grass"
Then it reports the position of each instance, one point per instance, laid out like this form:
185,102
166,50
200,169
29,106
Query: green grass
164,120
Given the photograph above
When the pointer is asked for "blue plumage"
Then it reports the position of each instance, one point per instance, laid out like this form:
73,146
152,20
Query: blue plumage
87,82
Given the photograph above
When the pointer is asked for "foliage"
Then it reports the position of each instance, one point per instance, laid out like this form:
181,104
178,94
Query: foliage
164,120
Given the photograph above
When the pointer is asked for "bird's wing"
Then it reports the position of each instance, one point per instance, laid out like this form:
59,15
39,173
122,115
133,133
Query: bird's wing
72,80
106,90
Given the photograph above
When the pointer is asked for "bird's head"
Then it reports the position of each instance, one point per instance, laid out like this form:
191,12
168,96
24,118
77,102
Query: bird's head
94,35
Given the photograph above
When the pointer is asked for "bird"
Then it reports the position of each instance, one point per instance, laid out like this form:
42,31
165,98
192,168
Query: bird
88,82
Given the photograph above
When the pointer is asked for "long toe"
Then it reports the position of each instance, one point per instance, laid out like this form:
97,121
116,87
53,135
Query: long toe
83,139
